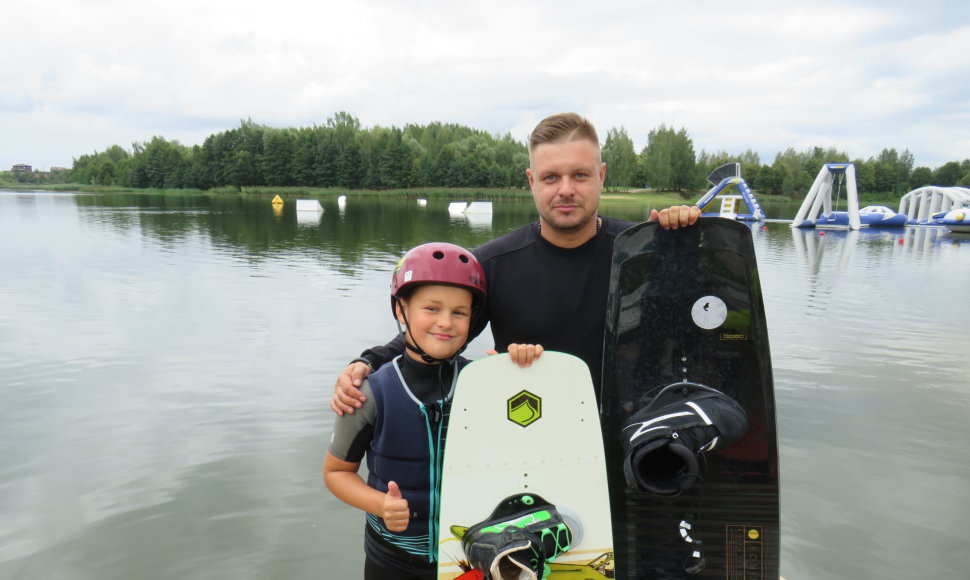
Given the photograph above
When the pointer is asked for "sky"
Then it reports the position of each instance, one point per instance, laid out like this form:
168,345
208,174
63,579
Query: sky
78,76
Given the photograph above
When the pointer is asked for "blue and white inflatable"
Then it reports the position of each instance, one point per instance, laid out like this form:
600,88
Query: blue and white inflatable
817,210
725,179
955,220
927,205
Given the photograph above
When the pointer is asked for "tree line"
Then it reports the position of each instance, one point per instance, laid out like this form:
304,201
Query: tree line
668,162
342,154
337,154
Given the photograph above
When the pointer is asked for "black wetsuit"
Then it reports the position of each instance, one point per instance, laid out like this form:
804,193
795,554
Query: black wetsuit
539,293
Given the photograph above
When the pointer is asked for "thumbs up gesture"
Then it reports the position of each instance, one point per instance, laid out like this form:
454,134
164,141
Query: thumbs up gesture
396,512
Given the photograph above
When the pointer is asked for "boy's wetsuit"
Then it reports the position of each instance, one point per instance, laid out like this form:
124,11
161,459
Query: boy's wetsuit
400,431
539,293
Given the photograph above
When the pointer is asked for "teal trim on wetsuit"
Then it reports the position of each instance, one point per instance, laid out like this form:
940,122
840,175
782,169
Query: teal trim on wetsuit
407,447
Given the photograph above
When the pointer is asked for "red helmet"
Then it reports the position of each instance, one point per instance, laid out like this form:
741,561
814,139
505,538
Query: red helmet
439,263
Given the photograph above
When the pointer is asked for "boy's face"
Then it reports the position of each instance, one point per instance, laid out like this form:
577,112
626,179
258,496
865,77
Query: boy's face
439,317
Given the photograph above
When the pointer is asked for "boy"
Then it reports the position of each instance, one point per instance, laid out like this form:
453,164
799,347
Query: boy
437,290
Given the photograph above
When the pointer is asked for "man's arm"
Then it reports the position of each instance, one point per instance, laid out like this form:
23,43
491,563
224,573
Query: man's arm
347,397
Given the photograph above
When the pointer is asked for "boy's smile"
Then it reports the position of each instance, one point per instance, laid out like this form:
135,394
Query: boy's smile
438,318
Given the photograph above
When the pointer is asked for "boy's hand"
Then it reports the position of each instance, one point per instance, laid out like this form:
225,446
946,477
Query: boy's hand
396,512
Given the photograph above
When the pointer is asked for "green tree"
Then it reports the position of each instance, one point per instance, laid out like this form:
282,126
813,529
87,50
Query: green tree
350,165
668,160
159,164
865,176
110,167
277,157
921,176
620,158
947,174
241,169
892,171
770,179
303,157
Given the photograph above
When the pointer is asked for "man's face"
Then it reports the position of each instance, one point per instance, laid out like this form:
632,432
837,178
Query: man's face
566,181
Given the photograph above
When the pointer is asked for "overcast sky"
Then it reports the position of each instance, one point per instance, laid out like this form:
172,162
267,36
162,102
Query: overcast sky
77,76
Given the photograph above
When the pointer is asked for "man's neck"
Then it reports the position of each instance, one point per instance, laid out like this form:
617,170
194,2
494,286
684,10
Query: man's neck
570,238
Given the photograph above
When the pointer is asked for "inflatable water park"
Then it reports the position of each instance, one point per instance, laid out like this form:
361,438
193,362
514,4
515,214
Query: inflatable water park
933,206
734,194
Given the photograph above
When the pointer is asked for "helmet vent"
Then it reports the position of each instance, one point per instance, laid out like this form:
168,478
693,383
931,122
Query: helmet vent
463,258
438,255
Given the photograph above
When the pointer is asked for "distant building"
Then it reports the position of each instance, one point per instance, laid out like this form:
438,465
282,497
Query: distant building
21,168
54,169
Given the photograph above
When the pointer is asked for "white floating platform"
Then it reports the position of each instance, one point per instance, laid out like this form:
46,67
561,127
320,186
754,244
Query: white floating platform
308,205
468,207
479,207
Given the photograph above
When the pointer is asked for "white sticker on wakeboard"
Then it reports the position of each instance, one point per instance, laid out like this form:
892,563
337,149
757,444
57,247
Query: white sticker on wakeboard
709,312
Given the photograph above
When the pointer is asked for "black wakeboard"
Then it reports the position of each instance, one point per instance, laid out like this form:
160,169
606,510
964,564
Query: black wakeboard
686,332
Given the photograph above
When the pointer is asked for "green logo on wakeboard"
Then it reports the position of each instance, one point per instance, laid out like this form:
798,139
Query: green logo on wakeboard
524,408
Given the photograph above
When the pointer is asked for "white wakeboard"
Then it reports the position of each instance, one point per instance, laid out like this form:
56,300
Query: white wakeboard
527,430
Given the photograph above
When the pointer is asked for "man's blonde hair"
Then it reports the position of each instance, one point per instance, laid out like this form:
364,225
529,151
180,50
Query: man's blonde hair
562,128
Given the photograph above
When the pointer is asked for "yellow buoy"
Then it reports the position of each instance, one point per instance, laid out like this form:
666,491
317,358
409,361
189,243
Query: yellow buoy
277,200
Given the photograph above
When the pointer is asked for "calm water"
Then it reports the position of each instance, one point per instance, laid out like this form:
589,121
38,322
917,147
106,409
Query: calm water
166,365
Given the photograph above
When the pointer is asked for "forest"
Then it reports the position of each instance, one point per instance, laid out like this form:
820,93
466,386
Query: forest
342,154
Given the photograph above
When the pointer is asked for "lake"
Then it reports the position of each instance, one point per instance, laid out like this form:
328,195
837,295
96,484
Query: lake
166,364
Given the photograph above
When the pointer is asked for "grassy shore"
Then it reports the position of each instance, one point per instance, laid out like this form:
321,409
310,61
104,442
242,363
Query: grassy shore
612,195
289,193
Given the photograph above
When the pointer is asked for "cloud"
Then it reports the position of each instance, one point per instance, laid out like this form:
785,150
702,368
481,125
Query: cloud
858,75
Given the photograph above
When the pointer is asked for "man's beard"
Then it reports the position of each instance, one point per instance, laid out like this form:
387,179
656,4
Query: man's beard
569,228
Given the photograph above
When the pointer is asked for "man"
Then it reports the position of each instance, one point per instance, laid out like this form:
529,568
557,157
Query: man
548,281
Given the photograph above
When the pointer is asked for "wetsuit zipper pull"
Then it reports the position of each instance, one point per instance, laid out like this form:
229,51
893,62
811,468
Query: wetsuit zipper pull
434,412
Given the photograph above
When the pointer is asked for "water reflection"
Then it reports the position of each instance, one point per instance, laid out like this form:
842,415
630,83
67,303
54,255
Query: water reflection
165,363
919,242
309,218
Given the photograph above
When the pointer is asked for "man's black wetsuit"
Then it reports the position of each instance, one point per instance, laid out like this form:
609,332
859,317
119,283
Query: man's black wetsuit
539,293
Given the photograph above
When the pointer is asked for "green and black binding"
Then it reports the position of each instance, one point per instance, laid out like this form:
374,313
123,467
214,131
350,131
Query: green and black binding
518,538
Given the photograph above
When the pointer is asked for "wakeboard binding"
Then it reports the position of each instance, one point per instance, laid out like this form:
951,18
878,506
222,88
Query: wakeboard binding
664,441
520,536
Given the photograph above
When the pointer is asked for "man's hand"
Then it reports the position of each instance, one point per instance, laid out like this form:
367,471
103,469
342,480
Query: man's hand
676,216
524,354
396,512
347,397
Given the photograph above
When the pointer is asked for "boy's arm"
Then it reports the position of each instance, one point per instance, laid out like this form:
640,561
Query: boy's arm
344,482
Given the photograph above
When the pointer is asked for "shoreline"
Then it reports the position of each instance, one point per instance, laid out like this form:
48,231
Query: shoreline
320,192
